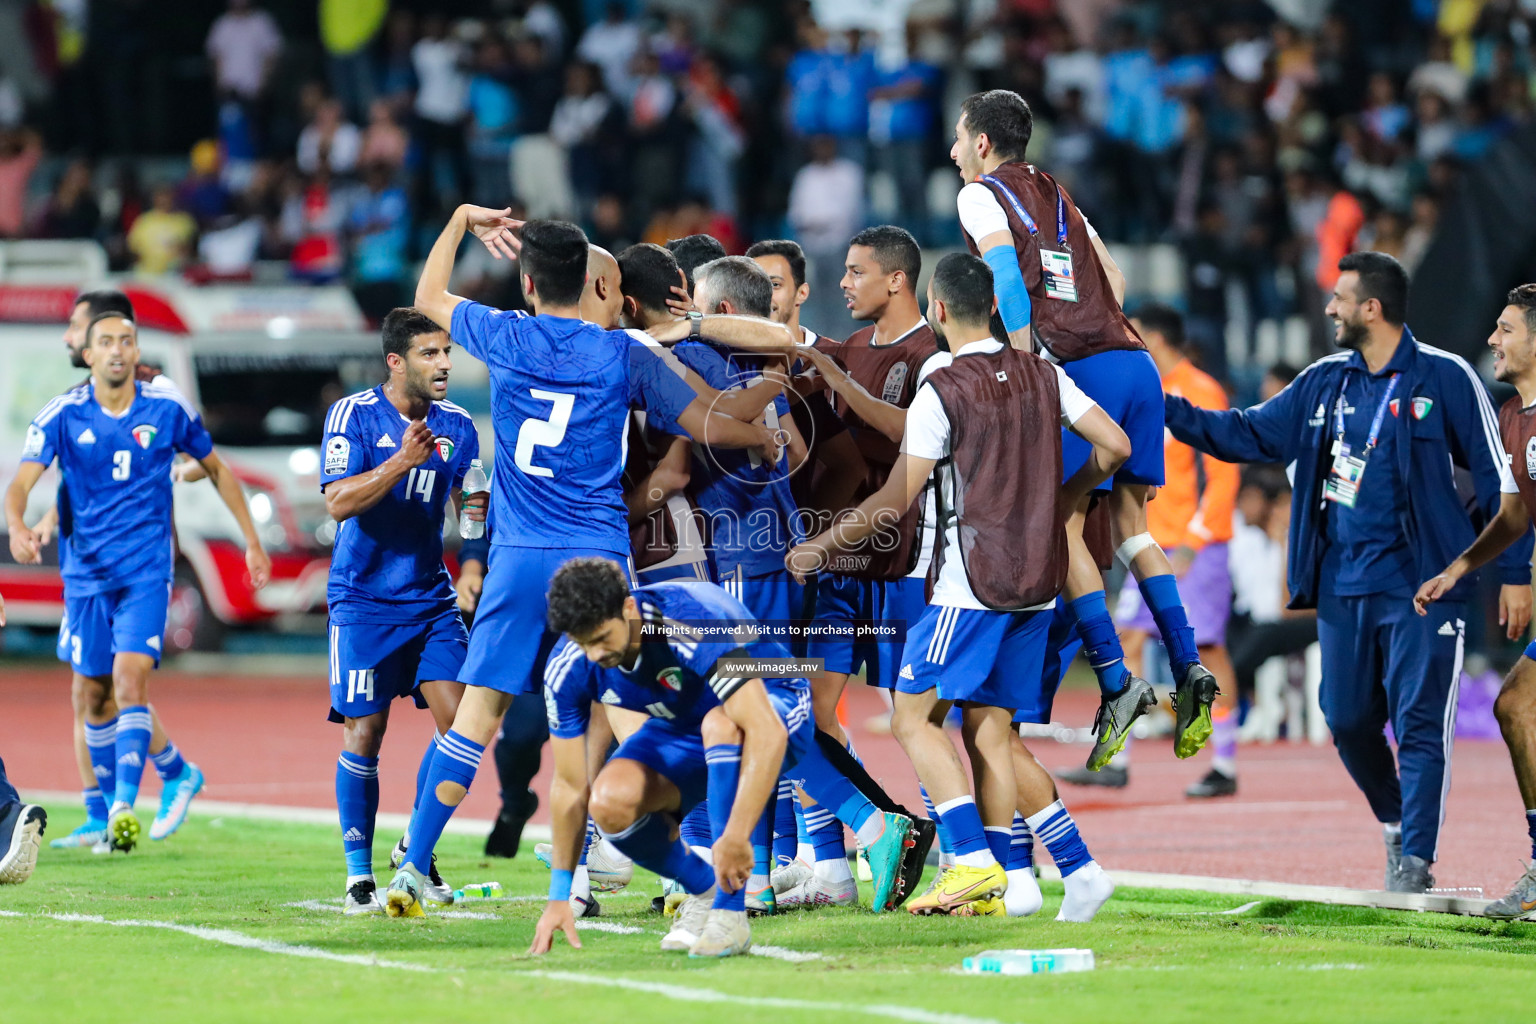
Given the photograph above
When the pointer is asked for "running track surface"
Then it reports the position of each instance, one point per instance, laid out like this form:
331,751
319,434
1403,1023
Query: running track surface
1297,818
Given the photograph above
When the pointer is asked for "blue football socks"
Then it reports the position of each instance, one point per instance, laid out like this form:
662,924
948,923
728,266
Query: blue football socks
1162,596
1101,644
132,750
455,761
357,804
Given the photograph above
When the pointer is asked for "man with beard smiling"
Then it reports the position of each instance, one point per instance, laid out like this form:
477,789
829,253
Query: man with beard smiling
1374,432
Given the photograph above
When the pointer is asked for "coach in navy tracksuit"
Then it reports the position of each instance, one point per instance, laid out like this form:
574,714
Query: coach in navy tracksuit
1373,433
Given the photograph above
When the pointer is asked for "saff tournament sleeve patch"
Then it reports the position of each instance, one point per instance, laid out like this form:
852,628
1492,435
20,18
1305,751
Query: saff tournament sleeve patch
338,452
33,446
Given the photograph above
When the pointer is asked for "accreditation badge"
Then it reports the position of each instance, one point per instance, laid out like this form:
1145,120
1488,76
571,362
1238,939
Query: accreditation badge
1056,272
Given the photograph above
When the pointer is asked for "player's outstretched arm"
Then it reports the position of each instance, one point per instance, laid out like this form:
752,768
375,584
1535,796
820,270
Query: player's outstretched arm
763,741
1503,530
747,333
26,545
354,495
257,564
494,228
879,511
569,793
890,420
1110,450
719,431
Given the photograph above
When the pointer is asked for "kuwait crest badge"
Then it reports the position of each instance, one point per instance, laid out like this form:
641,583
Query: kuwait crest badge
145,433
671,678
1421,407
444,448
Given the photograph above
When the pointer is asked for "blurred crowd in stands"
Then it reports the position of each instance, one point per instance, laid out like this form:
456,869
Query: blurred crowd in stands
1261,138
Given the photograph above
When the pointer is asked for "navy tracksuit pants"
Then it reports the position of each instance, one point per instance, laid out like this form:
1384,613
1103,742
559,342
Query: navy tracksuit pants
1383,662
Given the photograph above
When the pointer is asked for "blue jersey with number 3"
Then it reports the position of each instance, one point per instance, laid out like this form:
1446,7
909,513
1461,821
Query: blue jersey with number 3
118,471
561,391
387,563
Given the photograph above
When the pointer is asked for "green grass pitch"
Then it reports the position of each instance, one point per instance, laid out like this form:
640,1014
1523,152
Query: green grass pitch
240,952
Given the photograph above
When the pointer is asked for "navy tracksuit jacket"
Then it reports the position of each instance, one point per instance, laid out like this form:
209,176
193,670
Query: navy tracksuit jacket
1381,661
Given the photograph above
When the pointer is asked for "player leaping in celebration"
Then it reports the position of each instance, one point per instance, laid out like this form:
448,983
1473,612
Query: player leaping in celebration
1057,289
394,455
990,422
713,729
1514,347
561,391
115,442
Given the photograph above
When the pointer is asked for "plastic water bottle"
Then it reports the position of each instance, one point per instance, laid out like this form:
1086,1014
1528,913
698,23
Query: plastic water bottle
475,482
1029,961
478,891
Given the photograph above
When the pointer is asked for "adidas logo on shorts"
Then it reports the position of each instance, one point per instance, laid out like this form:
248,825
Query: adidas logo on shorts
1447,630
906,672
353,835
609,697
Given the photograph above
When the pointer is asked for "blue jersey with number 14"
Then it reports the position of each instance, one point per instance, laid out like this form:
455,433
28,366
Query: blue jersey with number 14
561,391
387,563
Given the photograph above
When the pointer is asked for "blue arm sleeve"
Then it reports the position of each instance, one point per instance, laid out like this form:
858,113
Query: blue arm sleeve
477,549
1008,283
1264,433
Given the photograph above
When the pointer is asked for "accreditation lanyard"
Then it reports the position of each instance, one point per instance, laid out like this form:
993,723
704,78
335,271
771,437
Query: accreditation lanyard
1343,483
1055,266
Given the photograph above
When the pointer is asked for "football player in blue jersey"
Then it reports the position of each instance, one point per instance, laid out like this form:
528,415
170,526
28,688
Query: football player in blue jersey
561,391
393,457
95,710
115,442
714,727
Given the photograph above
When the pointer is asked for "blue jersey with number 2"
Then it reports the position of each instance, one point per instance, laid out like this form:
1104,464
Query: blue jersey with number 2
561,391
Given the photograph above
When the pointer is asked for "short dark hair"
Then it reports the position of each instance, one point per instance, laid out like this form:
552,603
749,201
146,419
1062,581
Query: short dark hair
787,248
647,274
693,252
964,284
741,282
105,300
1381,278
1283,372
894,248
554,254
402,326
1003,117
585,593
1523,298
1266,478
111,314
1165,320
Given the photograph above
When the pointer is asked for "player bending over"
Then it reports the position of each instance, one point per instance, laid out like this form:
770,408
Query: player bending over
711,731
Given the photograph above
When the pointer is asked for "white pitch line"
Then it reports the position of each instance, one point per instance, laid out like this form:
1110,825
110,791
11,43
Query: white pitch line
228,937
335,908
707,995
1330,894
682,993
608,926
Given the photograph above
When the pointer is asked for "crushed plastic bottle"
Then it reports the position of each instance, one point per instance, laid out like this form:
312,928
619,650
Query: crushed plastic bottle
1029,961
